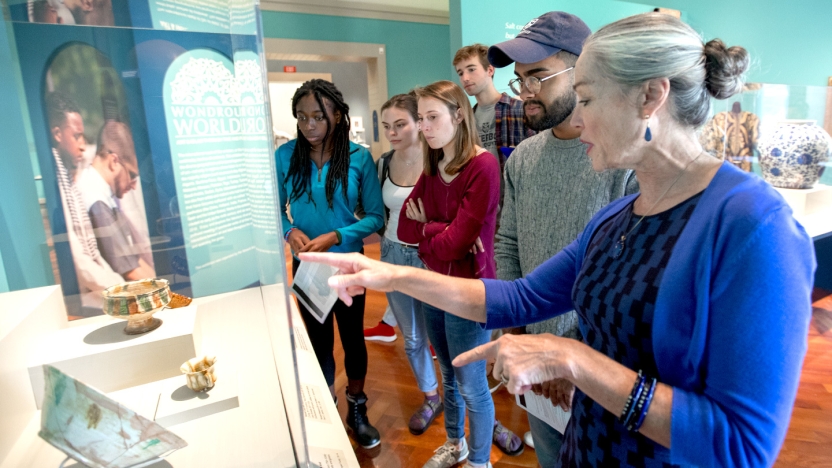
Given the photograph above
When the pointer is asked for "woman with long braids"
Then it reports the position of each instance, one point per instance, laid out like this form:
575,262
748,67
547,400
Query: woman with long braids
321,176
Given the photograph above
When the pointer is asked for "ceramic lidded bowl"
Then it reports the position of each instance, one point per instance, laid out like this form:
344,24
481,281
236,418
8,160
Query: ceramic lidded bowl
136,302
793,154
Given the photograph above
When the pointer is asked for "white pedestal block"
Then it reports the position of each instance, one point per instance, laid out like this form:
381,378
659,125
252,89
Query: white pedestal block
24,315
243,422
99,354
170,402
805,202
179,404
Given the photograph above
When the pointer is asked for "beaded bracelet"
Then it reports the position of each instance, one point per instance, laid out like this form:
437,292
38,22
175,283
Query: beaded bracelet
635,393
642,410
286,236
638,403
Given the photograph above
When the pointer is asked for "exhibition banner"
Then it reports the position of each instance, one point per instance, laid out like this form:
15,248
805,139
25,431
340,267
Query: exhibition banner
153,146
213,16
218,132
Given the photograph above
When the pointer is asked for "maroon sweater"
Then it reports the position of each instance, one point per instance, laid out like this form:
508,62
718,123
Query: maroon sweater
457,213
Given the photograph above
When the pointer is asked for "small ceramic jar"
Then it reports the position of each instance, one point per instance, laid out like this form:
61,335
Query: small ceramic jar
199,373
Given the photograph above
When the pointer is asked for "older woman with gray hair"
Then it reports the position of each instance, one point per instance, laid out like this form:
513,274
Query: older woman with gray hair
693,295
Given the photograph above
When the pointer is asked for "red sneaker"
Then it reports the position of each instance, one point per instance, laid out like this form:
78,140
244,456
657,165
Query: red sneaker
432,352
380,332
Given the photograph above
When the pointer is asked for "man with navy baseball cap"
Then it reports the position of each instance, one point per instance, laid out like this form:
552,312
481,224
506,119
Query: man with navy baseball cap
541,37
551,190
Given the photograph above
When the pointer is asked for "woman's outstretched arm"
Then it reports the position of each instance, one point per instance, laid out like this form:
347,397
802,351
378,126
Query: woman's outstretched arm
461,297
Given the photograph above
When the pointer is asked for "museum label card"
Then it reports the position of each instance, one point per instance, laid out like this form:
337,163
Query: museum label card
327,458
311,288
543,409
313,403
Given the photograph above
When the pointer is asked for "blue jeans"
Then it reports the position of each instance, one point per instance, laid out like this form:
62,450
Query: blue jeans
389,317
547,442
409,317
465,386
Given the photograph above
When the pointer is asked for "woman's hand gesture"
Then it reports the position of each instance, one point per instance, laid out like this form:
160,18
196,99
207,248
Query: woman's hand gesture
523,361
415,210
356,272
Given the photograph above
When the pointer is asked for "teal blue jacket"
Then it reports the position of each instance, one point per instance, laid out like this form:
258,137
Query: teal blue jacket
315,217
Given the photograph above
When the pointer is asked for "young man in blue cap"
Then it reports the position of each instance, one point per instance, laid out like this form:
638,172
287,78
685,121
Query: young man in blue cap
560,191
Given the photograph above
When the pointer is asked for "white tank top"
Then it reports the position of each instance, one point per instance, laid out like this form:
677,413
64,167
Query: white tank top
394,197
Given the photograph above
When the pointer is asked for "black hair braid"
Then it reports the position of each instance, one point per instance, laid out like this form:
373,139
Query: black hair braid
300,171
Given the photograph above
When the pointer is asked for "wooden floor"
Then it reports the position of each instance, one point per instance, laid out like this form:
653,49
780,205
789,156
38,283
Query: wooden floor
394,396
809,440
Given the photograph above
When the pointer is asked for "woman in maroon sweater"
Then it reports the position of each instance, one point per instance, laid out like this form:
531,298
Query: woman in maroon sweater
451,213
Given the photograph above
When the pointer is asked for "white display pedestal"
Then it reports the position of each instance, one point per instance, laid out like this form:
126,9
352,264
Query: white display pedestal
97,352
242,422
812,208
805,202
170,401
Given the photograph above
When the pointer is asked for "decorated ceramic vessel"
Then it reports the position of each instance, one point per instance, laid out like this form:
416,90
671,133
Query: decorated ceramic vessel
199,373
793,154
136,302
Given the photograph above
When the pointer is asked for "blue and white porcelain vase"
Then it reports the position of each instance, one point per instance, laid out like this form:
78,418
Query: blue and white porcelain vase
793,154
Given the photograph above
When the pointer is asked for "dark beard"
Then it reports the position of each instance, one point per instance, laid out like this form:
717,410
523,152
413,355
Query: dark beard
553,114
69,161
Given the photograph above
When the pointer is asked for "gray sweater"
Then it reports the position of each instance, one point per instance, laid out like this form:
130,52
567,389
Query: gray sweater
551,193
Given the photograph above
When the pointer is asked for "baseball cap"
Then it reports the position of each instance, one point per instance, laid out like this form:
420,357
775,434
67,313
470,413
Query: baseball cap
541,37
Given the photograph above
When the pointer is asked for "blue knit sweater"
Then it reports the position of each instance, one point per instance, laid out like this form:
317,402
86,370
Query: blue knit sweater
730,323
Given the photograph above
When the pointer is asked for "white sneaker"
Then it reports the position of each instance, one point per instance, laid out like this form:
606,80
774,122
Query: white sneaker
527,438
469,465
448,455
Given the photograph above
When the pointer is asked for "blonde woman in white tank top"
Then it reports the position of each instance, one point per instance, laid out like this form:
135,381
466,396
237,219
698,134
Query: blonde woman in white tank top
398,172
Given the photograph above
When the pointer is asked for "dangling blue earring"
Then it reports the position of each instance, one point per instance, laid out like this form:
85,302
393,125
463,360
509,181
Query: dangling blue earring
648,135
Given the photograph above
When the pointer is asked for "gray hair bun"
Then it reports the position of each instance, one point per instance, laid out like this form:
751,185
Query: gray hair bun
725,69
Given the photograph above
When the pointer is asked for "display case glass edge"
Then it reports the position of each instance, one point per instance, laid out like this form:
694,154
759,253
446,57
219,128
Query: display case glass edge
780,132
153,123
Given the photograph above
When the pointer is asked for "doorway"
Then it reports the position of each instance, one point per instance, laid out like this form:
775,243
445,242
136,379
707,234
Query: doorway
352,65
282,87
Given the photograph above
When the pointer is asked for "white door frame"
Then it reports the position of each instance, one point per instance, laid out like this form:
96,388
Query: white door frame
374,55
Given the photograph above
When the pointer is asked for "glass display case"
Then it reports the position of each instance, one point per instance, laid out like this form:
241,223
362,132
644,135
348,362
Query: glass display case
138,146
782,133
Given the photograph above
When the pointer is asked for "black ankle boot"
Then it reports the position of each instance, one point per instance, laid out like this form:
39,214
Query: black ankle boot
365,434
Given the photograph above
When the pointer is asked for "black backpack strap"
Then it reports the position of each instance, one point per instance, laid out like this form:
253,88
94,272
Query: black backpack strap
384,166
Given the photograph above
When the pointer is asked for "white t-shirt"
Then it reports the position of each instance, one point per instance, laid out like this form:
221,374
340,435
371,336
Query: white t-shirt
394,197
